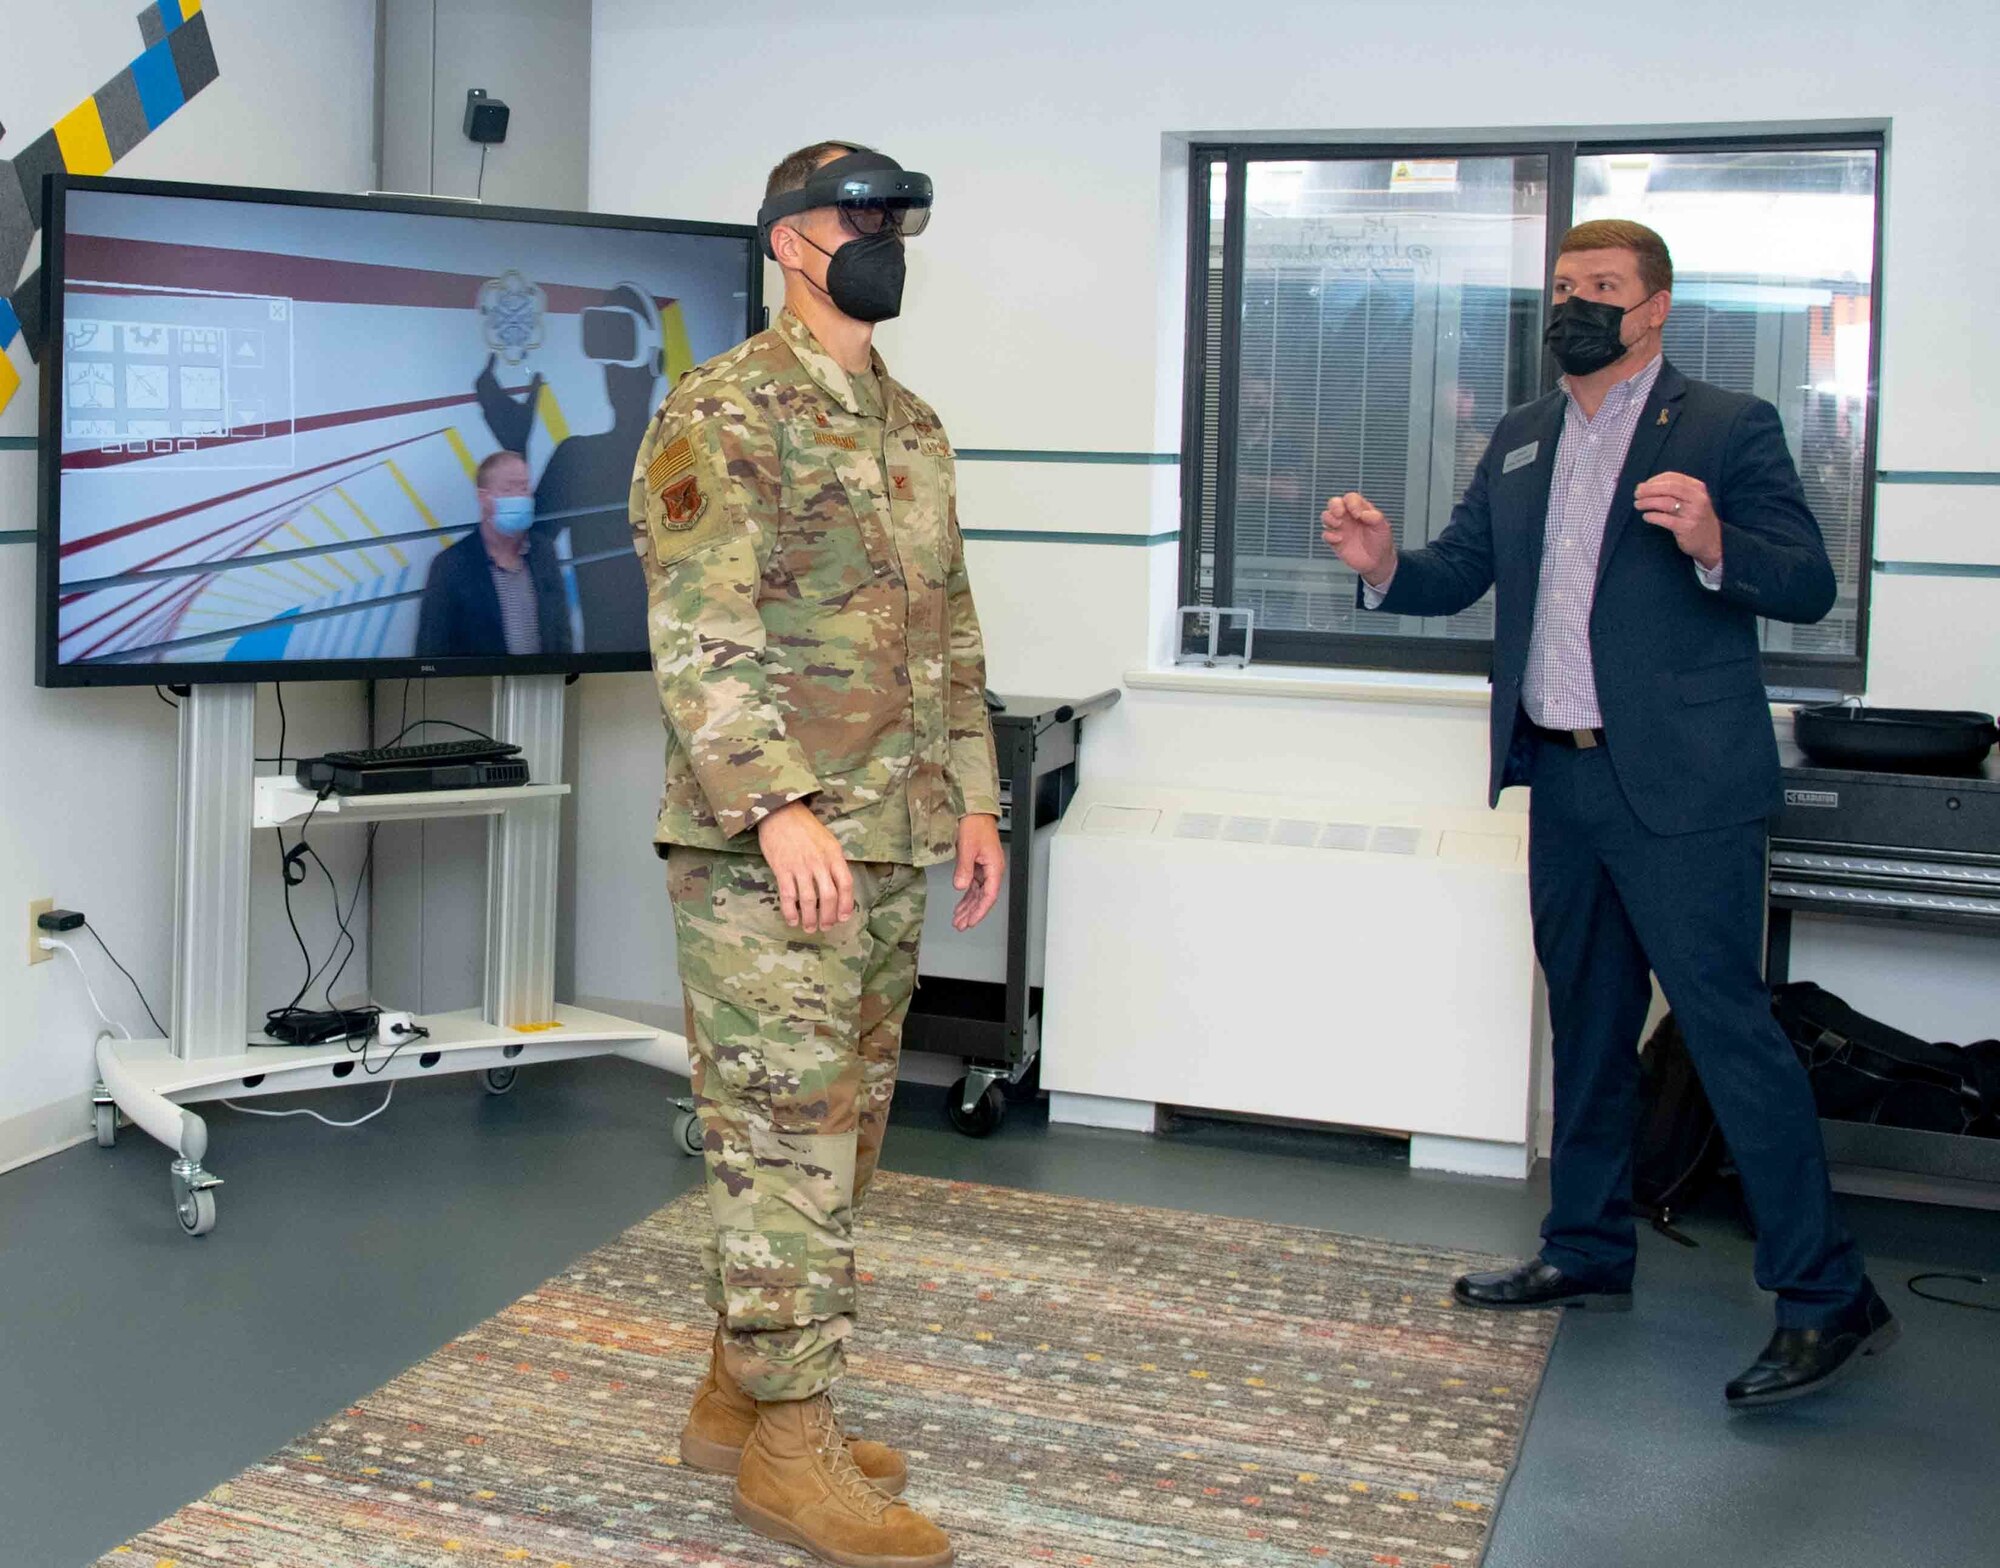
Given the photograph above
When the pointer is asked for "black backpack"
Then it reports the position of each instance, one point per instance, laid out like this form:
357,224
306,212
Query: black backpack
1680,1153
1863,1070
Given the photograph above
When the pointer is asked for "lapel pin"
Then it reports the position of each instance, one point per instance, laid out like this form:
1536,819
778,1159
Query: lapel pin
1663,417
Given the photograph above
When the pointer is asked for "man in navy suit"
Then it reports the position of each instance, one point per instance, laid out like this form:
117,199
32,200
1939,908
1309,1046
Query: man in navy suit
499,590
1635,524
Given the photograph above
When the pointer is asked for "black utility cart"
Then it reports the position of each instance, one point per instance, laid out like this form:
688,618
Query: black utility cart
996,1027
1879,845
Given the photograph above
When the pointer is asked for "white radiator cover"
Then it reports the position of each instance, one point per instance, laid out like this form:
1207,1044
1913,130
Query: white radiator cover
1332,960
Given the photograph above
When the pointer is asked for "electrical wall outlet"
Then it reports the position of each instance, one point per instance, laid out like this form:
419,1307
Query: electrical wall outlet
38,954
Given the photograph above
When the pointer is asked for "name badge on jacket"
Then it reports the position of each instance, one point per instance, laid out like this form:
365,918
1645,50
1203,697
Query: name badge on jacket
1520,457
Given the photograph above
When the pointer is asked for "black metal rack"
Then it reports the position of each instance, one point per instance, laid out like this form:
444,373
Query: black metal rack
995,1027
1867,844
1883,846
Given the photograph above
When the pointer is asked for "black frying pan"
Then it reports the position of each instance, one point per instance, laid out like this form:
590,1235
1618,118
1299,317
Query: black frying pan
1921,740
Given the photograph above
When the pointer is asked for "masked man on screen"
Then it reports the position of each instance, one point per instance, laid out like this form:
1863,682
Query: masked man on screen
1634,526
499,590
822,675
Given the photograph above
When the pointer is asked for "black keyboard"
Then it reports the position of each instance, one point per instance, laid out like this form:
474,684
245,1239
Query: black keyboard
369,758
389,770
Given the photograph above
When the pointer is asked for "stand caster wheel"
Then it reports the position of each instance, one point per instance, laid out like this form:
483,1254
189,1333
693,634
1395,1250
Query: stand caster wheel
687,1132
986,1115
194,1197
106,1119
197,1212
500,1079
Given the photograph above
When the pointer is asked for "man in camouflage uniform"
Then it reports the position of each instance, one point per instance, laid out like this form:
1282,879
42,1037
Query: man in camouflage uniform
822,675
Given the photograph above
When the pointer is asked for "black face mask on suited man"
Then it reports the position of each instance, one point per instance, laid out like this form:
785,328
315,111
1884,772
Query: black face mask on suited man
1583,334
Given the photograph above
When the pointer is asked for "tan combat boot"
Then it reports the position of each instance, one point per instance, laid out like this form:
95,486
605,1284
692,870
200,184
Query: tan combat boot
723,1417
799,1484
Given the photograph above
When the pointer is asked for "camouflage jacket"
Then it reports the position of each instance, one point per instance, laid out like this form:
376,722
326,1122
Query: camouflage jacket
812,625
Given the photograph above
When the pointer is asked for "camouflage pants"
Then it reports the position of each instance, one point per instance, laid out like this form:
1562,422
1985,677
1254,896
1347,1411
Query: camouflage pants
794,1043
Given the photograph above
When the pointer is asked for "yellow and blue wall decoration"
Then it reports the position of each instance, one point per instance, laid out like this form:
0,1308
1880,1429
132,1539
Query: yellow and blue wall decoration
178,62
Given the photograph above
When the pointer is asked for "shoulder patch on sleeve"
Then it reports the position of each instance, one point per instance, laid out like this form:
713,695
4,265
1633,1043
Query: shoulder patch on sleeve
669,463
682,518
677,502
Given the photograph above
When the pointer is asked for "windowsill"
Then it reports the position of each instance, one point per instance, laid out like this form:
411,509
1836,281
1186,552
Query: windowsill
1327,685
1410,687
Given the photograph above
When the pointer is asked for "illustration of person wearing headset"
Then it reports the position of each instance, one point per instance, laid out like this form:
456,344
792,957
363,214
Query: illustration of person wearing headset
585,485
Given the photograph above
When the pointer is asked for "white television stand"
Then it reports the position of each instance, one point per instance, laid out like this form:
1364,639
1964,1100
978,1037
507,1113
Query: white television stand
214,1054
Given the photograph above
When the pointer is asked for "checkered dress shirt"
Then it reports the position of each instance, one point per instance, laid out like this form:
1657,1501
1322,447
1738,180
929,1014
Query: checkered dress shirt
1560,690
1560,687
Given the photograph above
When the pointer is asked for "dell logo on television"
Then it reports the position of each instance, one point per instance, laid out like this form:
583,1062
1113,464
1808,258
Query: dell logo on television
427,669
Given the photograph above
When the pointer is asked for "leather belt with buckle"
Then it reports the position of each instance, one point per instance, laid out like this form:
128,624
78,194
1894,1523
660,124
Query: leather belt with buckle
1576,740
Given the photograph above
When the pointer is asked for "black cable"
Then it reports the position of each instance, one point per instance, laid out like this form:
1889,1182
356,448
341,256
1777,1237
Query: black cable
158,692
285,874
451,724
98,937
1953,1301
347,934
304,1025
371,1014
479,189
289,1021
418,1032
344,921
405,719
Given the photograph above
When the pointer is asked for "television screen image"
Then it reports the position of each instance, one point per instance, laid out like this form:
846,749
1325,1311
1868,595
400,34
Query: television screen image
294,436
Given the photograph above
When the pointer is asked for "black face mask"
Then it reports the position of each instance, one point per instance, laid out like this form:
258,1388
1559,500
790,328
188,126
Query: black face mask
864,278
1583,334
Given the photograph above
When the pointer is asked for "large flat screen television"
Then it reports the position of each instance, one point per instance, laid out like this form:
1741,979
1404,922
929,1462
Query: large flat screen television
265,415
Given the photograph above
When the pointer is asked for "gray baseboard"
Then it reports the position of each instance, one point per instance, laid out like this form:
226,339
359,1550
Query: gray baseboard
46,1130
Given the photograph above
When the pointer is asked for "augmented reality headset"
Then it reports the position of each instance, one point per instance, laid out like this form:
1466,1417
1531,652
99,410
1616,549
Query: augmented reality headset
620,335
871,190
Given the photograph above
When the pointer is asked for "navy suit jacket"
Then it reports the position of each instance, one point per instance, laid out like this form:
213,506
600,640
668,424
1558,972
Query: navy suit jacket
459,616
1679,679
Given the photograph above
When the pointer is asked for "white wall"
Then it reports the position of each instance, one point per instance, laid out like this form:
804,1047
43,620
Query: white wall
1045,303
532,55
427,905
87,793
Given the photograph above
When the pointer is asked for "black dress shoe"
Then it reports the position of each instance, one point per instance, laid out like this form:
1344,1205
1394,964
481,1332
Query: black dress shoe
1536,1284
1800,1361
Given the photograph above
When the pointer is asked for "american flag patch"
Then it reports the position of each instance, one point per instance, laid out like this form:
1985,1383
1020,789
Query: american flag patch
668,464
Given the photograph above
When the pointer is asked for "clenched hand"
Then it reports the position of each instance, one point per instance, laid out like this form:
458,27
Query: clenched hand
1680,504
1359,534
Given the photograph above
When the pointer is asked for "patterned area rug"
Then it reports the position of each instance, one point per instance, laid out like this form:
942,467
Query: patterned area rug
1077,1383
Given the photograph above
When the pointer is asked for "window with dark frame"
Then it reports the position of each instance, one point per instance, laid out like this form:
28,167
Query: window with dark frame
1359,318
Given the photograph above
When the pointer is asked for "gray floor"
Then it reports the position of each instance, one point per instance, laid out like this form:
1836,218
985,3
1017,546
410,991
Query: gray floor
138,1368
